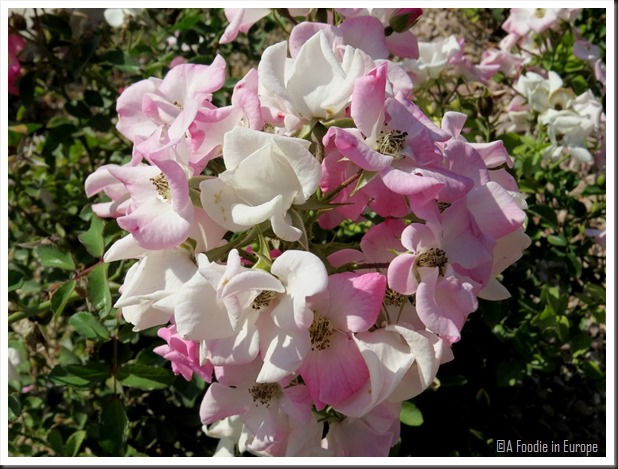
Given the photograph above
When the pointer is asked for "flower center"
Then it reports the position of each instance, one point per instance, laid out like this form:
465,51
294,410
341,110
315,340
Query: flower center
178,105
442,206
539,12
264,299
263,393
434,257
392,143
320,331
393,298
162,186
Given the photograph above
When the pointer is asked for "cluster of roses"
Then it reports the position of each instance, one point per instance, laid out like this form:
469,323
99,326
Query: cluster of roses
574,124
309,348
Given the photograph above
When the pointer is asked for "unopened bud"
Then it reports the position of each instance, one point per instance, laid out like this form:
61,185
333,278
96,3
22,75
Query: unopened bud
485,105
402,19
18,22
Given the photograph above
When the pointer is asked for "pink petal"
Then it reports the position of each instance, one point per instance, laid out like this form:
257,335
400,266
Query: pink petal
334,374
404,44
388,358
422,187
367,108
355,300
453,122
366,33
444,304
222,401
401,275
296,402
357,150
131,119
381,239
494,210
302,32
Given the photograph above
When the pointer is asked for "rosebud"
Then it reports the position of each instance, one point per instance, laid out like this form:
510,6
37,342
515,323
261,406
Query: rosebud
18,22
402,19
485,105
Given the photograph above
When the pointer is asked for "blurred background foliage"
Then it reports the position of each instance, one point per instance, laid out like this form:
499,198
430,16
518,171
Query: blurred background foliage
531,367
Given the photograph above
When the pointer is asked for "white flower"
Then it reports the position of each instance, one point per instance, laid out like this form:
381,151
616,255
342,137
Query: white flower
537,89
587,105
567,131
115,17
266,174
313,85
156,276
433,58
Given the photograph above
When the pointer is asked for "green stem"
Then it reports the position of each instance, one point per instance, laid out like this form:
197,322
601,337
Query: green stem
277,19
330,195
40,309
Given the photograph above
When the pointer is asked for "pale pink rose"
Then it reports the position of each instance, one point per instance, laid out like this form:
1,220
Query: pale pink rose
184,355
522,21
334,369
241,20
266,410
371,435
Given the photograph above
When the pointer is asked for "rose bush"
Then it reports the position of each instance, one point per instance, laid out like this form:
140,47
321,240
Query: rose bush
308,238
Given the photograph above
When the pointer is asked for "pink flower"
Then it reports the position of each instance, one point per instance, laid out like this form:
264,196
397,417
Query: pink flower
103,180
241,20
184,355
16,45
267,410
508,63
522,21
170,104
160,212
402,42
334,369
598,235
436,271
371,435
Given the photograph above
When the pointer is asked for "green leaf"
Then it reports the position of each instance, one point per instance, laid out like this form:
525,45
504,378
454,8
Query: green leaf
509,373
410,414
16,280
145,377
54,438
93,238
189,20
74,443
557,240
593,190
114,427
62,296
79,375
98,290
78,109
546,214
86,325
56,23
51,256
14,407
